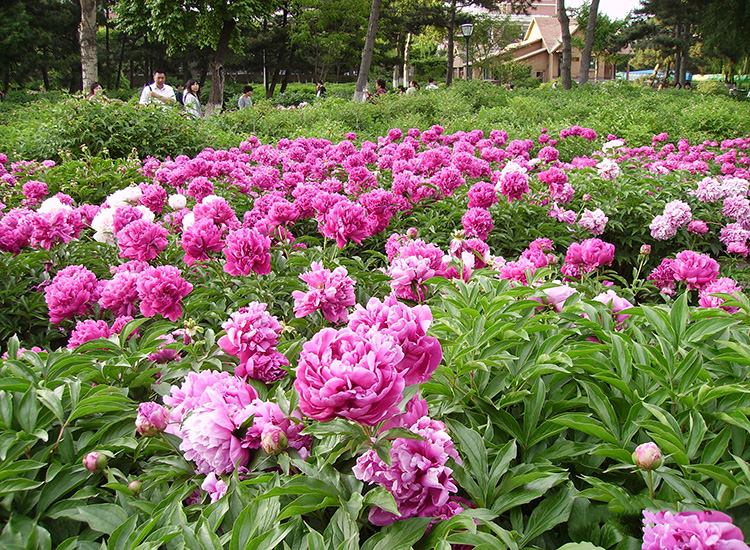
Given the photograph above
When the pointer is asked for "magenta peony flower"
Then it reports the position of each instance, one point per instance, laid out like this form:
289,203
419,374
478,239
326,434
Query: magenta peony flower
70,293
514,185
477,222
407,327
344,221
647,456
267,415
88,330
152,419
252,336
120,294
331,292
663,276
200,238
698,226
344,374
697,270
161,290
418,477
691,530
482,194
247,251
723,285
141,240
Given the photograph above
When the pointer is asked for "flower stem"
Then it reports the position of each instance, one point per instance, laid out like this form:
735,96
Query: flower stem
651,484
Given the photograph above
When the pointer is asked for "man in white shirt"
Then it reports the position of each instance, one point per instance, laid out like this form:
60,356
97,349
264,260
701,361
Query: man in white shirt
157,91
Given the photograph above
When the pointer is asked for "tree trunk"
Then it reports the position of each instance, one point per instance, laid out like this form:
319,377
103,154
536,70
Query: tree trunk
565,66
407,54
364,66
87,36
218,72
589,44
451,25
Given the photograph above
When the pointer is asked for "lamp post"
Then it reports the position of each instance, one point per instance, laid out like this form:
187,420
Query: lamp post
466,30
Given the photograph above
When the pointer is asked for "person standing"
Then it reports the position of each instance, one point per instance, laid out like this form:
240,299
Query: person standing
431,84
320,90
191,100
413,87
245,101
158,91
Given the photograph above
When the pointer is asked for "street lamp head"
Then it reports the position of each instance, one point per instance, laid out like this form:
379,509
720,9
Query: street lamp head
467,29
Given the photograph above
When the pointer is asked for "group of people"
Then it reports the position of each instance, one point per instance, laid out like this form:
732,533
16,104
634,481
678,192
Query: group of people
412,89
161,93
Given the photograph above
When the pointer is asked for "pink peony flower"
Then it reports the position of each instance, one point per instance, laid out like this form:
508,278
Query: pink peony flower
514,185
214,486
407,327
200,238
331,292
593,220
120,294
482,194
418,476
697,270
555,296
247,251
152,419
209,439
70,293
345,221
698,226
663,276
196,389
88,330
691,530
95,461
647,456
161,291
141,240
267,415
347,375
477,222
617,304
724,285
252,336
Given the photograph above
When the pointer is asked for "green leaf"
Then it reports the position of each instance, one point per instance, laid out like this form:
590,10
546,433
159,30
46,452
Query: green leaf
715,472
552,511
19,484
104,518
400,535
580,546
584,423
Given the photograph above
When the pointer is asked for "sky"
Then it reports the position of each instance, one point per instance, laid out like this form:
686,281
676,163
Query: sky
616,9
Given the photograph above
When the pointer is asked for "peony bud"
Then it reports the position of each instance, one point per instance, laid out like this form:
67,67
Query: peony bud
135,486
645,249
95,462
647,456
152,419
273,439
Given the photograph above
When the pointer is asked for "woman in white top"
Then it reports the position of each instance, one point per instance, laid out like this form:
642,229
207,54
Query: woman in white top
190,98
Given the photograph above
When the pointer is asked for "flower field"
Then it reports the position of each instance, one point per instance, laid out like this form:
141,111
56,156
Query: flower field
427,340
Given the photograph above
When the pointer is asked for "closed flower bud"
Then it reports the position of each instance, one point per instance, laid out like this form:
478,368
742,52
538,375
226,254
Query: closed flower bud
647,456
95,462
152,419
273,440
645,249
135,486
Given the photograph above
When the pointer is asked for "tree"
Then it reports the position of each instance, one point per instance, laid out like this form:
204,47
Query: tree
589,44
364,66
87,34
209,23
567,57
725,27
